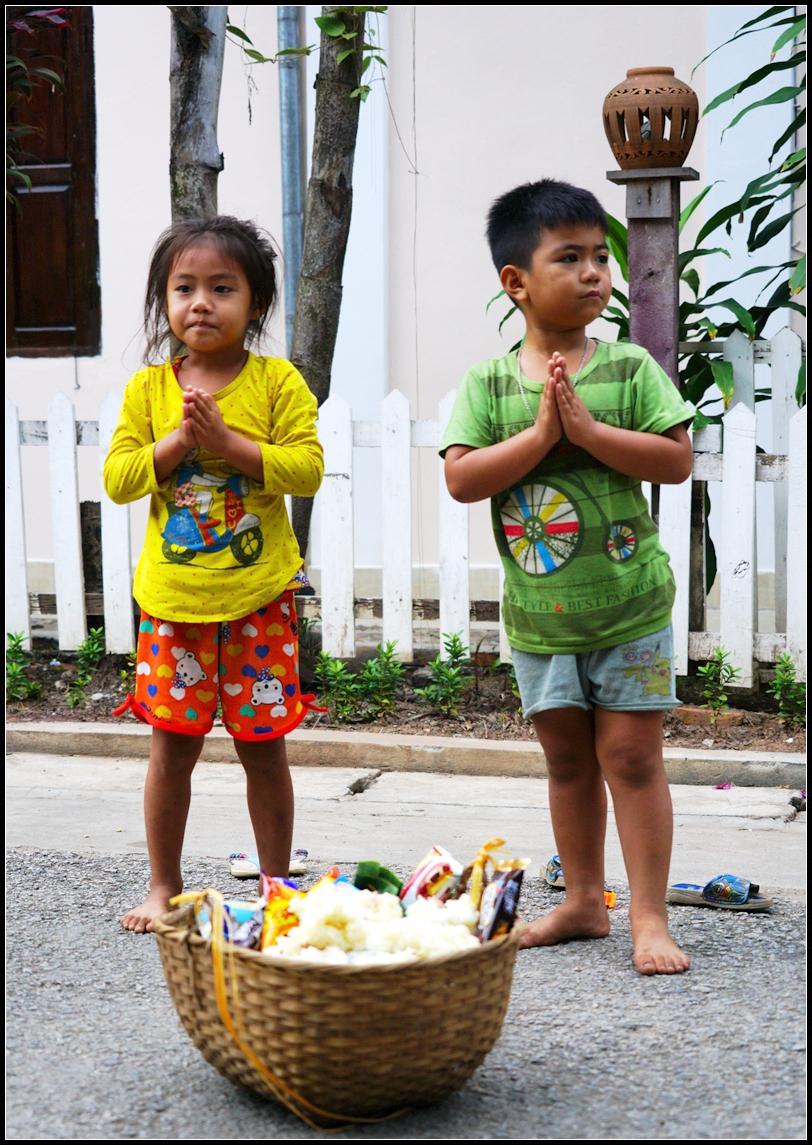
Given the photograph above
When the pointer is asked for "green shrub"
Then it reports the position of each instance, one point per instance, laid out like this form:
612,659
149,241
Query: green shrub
90,653
717,675
380,679
338,687
448,683
18,685
789,691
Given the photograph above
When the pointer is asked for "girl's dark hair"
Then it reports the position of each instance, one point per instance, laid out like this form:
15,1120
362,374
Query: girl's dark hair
251,248
516,219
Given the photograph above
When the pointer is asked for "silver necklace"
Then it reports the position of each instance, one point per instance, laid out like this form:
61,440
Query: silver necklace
521,387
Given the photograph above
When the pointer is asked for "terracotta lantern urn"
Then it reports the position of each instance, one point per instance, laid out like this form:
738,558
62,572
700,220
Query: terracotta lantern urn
650,119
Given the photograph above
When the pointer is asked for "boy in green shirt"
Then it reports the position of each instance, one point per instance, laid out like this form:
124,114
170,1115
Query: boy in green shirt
560,436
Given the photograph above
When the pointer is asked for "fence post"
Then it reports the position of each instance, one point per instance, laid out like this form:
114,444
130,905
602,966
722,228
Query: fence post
737,573
17,617
69,574
455,605
785,354
337,547
675,537
738,350
796,543
396,485
116,547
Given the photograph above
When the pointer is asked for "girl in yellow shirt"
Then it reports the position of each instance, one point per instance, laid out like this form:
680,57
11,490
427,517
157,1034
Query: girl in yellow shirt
216,437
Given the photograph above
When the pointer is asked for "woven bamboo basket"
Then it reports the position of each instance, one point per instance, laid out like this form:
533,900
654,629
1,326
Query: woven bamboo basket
358,1041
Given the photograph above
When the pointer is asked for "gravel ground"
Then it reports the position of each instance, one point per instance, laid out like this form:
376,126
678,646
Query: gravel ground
589,1050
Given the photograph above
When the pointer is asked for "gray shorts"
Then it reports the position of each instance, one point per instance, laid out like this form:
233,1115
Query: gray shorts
633,677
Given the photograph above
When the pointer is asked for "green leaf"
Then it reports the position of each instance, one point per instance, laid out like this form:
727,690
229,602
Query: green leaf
698,252
365,64
509,314
755,78
789,34
800,388
797,281
781,96
723,376
258,57
750,25
361,93
235,31
793,159
343,55
771,230
721,216
617,239
490,304
700,421
795,126
691,277
296,51
744,316
694,203
331,25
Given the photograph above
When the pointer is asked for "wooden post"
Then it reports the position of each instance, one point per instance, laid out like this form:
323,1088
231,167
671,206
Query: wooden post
68,572
396,483
17,616
785,356
337,547
455,608
116,547
737,572
675,537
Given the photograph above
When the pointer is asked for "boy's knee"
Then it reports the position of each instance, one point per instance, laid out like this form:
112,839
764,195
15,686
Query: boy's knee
632,764
565,763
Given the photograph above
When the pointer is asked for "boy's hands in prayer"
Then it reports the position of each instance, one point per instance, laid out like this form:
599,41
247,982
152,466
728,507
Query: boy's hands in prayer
578,423
548,420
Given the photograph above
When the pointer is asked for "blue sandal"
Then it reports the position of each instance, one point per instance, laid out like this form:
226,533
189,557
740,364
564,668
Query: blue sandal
725,892
553,875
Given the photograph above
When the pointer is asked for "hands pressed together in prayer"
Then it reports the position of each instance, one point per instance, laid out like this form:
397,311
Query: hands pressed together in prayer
202,423
561,410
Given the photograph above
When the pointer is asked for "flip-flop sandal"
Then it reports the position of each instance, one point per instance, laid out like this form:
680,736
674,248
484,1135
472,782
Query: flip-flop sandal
553,875
247,866
725,892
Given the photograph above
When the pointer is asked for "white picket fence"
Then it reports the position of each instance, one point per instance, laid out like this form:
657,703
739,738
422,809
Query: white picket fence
396,435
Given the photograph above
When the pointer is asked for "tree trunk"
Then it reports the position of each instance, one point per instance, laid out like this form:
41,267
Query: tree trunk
327,224
195,73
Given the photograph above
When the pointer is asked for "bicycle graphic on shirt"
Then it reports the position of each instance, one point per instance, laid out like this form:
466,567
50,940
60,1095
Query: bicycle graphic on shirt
191,529
543,528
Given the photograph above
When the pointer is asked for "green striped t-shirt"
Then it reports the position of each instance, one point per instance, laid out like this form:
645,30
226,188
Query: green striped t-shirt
584,568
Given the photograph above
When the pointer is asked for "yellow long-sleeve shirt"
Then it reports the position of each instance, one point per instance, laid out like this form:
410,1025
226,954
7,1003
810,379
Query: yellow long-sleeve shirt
218,545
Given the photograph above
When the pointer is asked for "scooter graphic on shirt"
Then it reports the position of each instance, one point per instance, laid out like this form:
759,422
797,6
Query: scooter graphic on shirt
191,528
543,527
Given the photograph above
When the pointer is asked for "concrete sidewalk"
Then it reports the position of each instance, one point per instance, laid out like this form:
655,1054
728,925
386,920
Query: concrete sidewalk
88,804
451,755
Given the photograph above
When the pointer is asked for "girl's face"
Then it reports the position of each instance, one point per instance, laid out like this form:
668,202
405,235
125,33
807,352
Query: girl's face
208,300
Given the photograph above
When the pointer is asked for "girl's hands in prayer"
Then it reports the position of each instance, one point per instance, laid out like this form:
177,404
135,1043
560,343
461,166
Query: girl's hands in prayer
576,420
207,426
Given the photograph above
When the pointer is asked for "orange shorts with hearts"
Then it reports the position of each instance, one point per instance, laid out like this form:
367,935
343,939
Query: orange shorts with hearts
251,665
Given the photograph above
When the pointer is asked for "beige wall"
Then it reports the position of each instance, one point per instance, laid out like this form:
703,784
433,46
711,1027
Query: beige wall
504,95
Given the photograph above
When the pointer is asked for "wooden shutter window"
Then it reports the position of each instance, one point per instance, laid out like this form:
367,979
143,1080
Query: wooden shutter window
53,300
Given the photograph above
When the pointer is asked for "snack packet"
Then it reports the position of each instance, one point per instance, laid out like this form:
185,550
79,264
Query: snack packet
277,919
435,876
500,902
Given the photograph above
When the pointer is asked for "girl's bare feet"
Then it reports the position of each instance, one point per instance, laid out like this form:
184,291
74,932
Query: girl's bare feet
140,917
572,919
655,951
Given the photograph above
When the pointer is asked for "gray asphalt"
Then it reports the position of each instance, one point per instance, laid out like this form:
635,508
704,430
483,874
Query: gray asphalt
589,1048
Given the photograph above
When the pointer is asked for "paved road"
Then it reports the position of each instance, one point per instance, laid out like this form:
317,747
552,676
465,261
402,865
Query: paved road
589,1050
87,804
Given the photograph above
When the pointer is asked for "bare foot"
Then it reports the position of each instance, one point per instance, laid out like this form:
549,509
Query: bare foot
572,919
140,917
655,951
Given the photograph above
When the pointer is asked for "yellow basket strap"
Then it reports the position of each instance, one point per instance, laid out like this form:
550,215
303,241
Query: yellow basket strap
283,1092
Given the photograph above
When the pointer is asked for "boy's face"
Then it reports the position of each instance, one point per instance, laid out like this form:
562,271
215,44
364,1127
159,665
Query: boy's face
568,284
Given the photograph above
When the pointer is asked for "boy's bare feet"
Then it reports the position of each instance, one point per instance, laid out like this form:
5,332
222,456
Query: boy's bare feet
140,917
655,951
572,919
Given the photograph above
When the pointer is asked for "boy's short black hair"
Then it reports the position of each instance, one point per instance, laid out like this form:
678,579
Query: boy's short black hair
517,218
